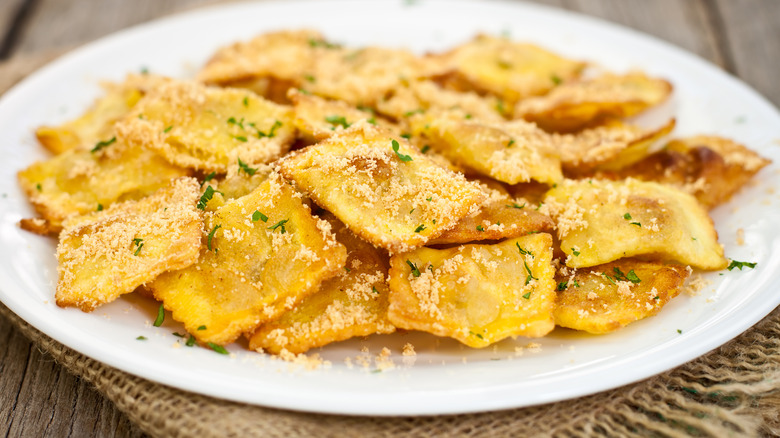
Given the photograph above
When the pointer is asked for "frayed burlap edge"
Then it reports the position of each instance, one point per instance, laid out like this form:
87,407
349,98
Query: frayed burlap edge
732,391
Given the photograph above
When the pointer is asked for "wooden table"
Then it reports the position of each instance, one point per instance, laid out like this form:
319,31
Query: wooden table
37,397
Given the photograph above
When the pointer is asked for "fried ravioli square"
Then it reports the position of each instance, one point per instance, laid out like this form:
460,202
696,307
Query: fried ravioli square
604,298
109,253
353,303
262,254
477,294
208,128
602,221
382,188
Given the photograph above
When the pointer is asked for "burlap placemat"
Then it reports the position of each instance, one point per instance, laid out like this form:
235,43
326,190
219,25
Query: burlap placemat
732,391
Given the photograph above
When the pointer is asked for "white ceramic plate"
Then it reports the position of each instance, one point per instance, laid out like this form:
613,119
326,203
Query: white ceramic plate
444,377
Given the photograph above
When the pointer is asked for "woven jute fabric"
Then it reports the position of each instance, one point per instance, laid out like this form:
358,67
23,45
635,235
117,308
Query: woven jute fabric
732,391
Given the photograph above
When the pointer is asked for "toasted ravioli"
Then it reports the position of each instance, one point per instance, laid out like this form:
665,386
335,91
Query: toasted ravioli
710,168
416,97
317,118
109,253
499,217
612,145
477,294
208,128
79,181
511,152
603,221
283,55
604,298
353,303
573,106
96,124
262,254
383,189
508,69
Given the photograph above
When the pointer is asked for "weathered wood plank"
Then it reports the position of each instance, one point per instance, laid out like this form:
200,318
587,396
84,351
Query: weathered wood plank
66,23
751,30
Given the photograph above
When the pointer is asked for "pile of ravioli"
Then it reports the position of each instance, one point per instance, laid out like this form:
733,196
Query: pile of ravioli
300,192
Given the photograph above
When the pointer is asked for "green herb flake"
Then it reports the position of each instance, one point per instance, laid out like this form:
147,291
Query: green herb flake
372,121
406,136
575,252
530,275
38,187
160,316
102,144
140,338
257,216
523,251
425,149
190,342
168,129
245,167
322,43
239,123
627,216
420,228
337,120
279,224
516,205
740,265
429,198
527,295
373,289
218,348
636,223
563,285
347,269
309,78
179,335
240,138
631,276
511,142
476,334
208,178
203,327
411,113
576,283
611,280
556,79
415,271
679,331
402,157
100,207
138,243
271,132
206,197
480,228
211,236
246,102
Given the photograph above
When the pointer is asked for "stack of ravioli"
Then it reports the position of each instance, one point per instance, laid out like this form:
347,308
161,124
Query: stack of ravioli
300,193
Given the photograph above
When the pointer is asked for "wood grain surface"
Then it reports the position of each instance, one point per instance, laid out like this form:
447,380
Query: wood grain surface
39,398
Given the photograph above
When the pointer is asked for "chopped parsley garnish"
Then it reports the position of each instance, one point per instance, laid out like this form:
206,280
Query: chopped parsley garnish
102,144
38,187
538,207
476,334
527,295
480,228
429,198
530,275
406,136
257,216
511,142
309,78
420,228
563,285
140,338
636,223
402,157
271,132
246,101
373,289
740,265
523,251
337,120
467,116
611,280
411,113
208,178
322,43
679,331
177,334
415,271
411,211
218,348
631,276
160,316
206,197
425,148
239,123
347,269
144,71
138,243
279,224
168,129
202,327
100,207
211,235
240,138
556,79
500,107
190,342
515,205
627,216
245,167
575,252
576,283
